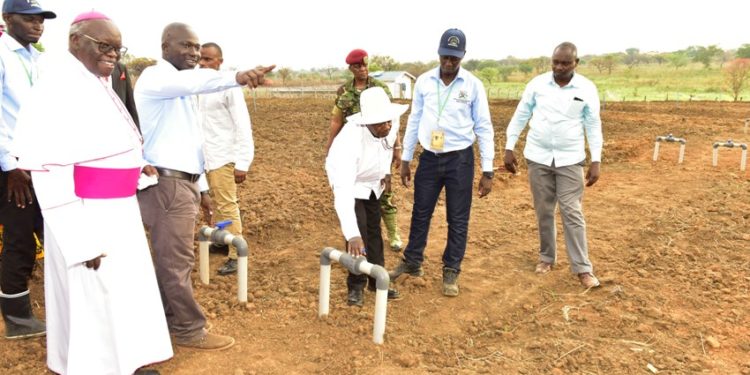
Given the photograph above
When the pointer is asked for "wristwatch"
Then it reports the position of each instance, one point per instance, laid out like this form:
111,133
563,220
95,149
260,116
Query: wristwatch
488,174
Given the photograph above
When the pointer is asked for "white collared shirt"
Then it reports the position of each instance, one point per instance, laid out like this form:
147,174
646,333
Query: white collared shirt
464,118
559,118
227,129
18,72
168,112
356,163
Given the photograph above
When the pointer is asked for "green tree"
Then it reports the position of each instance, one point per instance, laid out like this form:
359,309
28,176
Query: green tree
471,64
505,71
743,52
385,63
525,68
737,73
678,59
541,64
704,55
632,57
488,74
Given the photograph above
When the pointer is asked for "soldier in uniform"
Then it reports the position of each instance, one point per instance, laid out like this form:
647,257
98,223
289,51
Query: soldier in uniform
347,104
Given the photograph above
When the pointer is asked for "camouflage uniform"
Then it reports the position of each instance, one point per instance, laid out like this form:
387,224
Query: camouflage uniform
347,104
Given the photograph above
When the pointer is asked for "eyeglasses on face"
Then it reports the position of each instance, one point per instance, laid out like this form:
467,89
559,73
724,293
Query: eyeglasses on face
107,48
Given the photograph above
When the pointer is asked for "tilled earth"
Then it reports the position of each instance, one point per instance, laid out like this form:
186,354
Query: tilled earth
670,243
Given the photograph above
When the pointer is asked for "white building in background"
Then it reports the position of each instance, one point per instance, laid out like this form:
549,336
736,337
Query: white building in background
400,83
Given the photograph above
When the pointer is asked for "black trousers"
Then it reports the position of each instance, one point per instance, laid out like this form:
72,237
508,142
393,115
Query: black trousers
453,171
368,221
19,248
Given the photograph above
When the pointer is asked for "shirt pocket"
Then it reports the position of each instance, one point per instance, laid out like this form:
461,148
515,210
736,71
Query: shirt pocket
575,108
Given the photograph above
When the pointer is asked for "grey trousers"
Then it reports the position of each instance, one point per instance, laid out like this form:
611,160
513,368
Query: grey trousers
169,210
551,186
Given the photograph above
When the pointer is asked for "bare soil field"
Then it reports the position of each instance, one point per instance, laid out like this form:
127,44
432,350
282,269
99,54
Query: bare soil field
670,243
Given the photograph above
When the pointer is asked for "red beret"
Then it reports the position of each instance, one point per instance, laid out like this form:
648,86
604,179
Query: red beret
357,56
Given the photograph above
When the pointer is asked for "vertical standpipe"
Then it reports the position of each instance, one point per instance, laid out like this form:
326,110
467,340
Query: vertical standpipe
670,138
729,144
208,235
358,266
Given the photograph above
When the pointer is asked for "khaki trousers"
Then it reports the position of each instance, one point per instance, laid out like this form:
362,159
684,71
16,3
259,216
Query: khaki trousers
223,192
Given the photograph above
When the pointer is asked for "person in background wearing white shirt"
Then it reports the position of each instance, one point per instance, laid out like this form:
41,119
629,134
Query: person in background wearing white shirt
359,171
173,144
449,112
228,149
19,211
562,106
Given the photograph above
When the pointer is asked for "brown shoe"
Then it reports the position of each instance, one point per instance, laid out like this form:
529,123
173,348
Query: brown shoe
588,280
543,267
210,341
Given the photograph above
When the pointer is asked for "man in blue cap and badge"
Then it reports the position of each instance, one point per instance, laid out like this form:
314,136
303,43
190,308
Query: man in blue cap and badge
19,211
449,112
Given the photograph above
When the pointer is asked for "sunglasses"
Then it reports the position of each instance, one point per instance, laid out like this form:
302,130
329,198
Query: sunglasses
107,48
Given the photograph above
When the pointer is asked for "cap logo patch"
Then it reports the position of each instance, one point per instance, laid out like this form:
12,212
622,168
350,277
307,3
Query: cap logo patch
33,3
453,41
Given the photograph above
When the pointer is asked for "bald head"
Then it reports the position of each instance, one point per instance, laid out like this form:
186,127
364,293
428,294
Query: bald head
96,43
564,62
180,46
567,46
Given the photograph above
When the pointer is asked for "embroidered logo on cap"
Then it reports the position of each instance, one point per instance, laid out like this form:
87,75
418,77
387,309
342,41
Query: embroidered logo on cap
33,3
453,41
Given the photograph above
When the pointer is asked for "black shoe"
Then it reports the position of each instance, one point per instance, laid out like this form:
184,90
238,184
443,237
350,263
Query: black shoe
218,249
355,298
404,268
393,294
228,268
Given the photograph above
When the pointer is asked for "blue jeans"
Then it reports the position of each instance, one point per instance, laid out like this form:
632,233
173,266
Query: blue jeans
455,172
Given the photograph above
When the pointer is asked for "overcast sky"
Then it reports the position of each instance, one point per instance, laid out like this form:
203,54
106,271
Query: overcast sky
303,34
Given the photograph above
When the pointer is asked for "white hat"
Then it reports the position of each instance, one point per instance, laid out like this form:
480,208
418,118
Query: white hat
376,108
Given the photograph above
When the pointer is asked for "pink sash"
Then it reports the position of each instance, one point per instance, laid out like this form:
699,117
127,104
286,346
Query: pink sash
103,183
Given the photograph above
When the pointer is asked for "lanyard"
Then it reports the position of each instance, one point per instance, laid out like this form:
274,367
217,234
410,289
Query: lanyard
26,69
444,102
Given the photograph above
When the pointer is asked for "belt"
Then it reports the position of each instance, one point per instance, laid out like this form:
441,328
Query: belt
165,172
443,154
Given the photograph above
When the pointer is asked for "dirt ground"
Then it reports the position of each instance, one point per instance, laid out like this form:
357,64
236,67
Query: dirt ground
669,242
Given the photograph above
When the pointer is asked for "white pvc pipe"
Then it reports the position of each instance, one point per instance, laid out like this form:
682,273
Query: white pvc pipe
743,161
203,261
378,326
325,290
682,154
715,159
242,279
656,151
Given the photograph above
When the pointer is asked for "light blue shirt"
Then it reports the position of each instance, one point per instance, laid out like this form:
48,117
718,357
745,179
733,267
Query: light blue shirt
168,111
18,71
465,116
559,118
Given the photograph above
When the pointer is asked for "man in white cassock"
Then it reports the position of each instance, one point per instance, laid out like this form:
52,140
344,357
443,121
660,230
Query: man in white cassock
104,313
359,172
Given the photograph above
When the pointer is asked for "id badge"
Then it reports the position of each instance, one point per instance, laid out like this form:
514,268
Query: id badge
438,140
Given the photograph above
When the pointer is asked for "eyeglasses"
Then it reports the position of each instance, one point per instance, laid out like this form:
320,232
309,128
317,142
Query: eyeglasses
107,48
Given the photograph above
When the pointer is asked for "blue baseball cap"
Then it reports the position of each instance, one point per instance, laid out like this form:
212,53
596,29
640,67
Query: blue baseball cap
453,43
26,7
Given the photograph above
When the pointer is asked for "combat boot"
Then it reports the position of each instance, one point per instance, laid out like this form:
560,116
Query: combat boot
450,282
20,322
391,227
